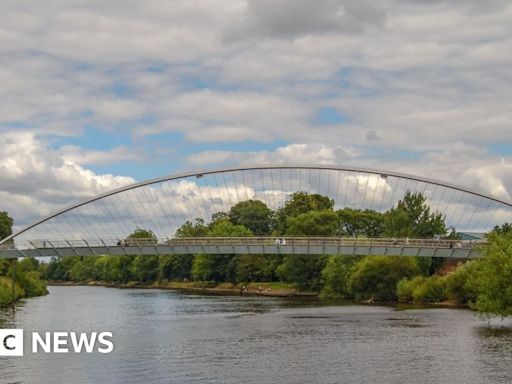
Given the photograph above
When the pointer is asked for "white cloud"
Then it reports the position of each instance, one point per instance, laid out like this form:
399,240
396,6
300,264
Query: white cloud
81,156
37,180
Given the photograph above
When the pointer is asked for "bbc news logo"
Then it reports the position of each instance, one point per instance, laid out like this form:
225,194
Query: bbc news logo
11,342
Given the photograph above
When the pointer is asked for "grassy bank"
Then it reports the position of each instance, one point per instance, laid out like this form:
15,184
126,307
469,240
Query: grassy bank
274,289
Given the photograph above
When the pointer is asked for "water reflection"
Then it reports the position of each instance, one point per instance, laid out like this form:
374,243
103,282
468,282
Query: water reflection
169,337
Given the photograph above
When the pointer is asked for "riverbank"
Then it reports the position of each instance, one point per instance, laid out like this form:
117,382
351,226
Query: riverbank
271,289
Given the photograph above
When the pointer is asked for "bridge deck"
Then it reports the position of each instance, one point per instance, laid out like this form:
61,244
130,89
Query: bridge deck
245,245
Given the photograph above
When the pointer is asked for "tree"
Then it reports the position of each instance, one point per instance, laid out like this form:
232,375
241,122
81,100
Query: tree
356,222
377,276
6,223
412,218
255,267
189,229
501,229
491,277
176,267
313,223
252,214
336,276
145,268
216,268
300,202
225,228
304,270
140,233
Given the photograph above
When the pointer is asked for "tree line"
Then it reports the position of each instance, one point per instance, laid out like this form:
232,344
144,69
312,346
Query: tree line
302,215
485,284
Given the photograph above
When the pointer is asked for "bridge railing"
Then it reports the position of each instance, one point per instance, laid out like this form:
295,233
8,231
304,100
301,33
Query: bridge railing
243,241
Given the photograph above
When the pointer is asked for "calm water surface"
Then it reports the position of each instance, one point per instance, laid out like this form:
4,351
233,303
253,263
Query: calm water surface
169,337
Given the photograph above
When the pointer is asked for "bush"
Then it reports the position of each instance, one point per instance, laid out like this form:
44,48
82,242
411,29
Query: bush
457,283
6,296
422,289
431,290
405,288
377,276
336,277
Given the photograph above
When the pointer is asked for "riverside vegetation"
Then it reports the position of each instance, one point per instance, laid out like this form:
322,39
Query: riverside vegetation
26,272
484,284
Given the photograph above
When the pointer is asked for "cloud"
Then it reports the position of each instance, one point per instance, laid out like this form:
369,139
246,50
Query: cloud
81,156
424,87
292,18
37,180
291,154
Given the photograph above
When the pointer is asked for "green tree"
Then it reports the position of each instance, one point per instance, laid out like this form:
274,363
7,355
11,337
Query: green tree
377,276
336,276
144,268
303,270
254,215
502,229
6,223
491,277
313,223
216,268
176,267
143,234
195,229
255,267
225,228
356,222
300,202
412,218
83,269
458,282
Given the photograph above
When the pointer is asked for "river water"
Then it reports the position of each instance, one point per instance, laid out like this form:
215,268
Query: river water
171,337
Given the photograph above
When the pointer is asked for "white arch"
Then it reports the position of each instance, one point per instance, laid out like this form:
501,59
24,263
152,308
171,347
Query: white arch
257,167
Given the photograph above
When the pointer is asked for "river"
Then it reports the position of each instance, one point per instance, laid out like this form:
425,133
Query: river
171,337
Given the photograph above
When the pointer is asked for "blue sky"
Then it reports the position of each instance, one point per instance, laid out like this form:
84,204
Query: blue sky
96,95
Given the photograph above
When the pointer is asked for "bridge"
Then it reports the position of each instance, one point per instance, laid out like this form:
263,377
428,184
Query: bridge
102,224
460,249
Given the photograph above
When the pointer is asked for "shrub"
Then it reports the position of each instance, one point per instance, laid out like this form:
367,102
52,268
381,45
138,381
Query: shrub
431,290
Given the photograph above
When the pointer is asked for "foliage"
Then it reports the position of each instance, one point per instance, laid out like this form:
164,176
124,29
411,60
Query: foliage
300,203
502,229
458,283
175,267
305,270
412,218
189,229
313,223
140,233
225,228
422,289
254,215
5,225
356,222
336,276
377,276
491,277
6,293
250,268
216,268
145,268
405,288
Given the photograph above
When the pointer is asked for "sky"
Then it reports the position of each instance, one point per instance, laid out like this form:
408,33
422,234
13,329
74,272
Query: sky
95,95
